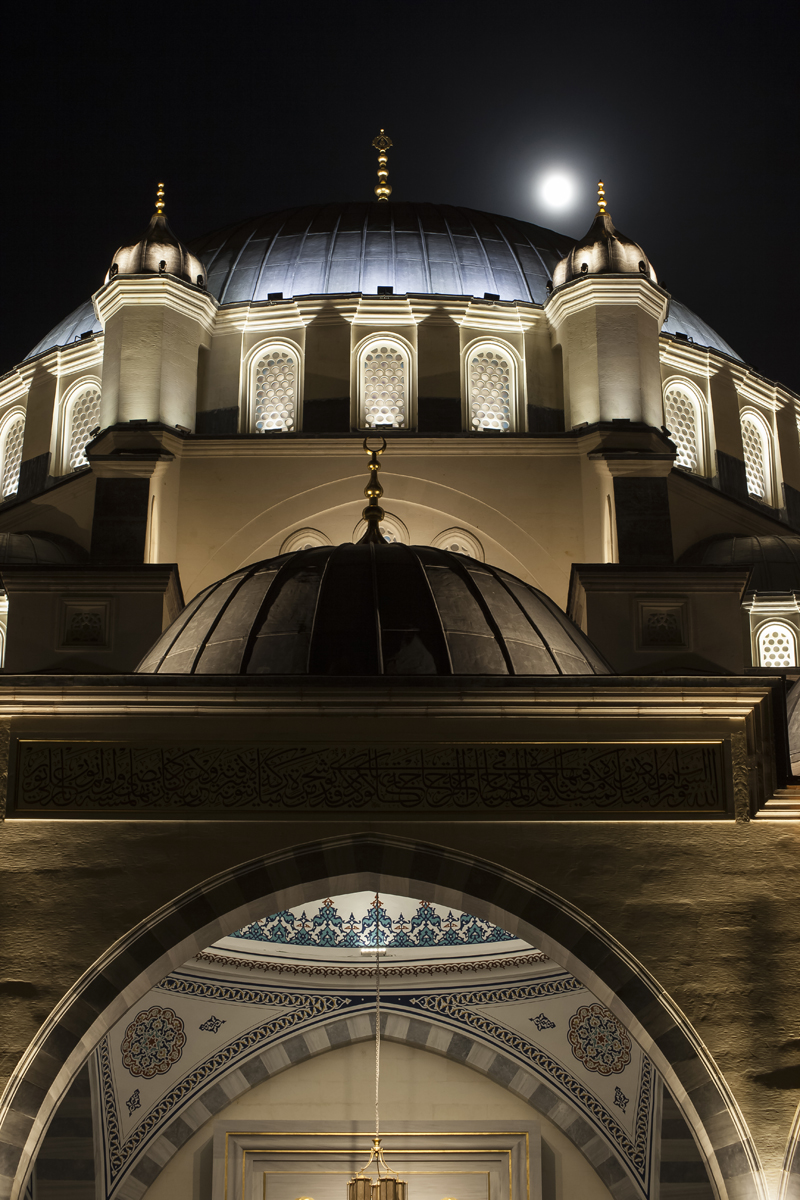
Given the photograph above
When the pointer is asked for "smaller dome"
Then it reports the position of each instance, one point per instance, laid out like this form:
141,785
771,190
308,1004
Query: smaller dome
775,559
37,547
372,609
158,252
603,251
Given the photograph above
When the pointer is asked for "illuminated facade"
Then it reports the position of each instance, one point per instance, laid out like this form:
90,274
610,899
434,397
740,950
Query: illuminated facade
535,697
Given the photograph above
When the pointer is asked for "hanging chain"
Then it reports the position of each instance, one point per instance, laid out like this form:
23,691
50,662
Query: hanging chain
377,1012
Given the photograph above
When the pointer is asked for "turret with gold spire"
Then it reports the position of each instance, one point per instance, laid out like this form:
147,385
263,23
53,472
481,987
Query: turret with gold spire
382,143
603,251
158,252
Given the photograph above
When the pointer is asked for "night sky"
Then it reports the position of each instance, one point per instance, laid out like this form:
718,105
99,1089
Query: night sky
688,112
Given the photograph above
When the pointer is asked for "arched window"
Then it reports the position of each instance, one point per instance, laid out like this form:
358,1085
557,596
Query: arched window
392,528
81,416
683,417
275,389
304,539
12,434
384,374
757,456
491,388
777,645
459,541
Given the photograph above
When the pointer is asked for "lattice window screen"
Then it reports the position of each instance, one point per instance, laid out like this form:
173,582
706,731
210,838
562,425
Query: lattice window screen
275,390
12,454
490,381
680,415
776,646
755,466
384,386
84,414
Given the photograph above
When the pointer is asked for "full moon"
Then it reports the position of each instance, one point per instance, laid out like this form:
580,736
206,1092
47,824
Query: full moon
556,191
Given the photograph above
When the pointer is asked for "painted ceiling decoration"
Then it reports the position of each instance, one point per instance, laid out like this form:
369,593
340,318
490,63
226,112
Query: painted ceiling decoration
382,922
207,1020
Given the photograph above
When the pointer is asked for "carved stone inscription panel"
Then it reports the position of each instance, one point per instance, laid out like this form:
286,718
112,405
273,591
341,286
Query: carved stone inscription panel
513,780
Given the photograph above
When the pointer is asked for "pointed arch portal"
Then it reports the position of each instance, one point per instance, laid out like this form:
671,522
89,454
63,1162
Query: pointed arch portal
374,862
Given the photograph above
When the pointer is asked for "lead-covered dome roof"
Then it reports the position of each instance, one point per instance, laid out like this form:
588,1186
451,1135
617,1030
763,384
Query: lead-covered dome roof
429,249
372,610
775,558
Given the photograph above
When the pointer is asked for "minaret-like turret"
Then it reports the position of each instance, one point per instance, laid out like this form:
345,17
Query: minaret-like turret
605,311
156,313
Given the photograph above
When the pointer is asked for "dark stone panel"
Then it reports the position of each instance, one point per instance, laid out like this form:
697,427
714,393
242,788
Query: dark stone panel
675,1128
418,1032
610,1171
732,475
214,1098
791,500
733,1161
327,416
338,1034
459,1047
178,1132
70,1127
217,422
64,1169
502,1070
644,530
297,1049
543,1100
255,1071
33,475
146,1171
120,519
683,1172
437,414
545,420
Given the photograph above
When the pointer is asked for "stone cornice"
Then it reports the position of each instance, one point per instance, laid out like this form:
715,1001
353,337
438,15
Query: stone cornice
558,696
595,290
150,290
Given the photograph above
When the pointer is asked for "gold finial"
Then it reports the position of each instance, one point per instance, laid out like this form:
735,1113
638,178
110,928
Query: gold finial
382,143
601,197
373,514
160,201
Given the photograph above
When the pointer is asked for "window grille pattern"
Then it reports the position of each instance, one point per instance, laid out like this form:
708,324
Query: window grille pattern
755,466
776,646
490,389
384,386
275,390
84,415
459,541
12,454
680,415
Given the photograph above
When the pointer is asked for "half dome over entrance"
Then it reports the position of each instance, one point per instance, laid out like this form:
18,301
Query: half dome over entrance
369,610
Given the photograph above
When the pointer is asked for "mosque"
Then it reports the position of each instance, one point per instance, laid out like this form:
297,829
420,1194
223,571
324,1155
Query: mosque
438,847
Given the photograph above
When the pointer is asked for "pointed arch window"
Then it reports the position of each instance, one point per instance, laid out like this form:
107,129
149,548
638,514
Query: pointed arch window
384,373
81,416
777,645
683,417
491,388
12,434
274,389
756,444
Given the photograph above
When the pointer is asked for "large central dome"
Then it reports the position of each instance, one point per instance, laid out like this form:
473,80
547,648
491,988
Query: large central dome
372,609
421,249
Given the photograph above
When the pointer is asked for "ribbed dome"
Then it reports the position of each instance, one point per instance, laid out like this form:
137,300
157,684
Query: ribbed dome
603,251
157,252
775,559
372,609
427,249
38,548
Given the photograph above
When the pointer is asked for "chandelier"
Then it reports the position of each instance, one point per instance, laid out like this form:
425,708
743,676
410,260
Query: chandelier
387,1185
